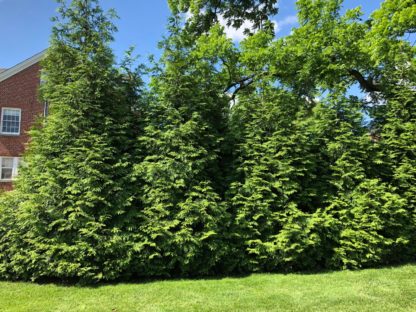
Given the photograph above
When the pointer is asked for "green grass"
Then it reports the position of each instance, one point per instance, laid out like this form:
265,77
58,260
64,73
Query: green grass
389,289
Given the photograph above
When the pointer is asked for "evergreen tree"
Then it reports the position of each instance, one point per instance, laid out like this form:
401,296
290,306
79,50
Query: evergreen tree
399,144
367,215
182,216
276,173
74,193
236,158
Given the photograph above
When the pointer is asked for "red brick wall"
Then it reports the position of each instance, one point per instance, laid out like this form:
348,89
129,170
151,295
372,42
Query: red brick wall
6,186
20,91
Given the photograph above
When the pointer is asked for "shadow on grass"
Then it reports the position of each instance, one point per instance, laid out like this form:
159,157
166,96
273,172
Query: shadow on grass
140,280
136,280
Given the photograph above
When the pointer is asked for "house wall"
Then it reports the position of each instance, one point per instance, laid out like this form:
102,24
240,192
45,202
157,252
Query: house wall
20,91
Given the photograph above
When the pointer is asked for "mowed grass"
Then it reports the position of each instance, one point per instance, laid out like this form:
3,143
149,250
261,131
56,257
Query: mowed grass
388,289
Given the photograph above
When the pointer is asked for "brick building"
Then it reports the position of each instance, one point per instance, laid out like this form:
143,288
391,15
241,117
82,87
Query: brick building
19,107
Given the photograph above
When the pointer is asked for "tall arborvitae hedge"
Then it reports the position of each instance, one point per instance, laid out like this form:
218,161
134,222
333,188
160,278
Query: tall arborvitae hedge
399,144
235,158
369,222
182,217
72,200
272,166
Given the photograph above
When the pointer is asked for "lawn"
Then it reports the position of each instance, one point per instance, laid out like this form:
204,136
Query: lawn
388,289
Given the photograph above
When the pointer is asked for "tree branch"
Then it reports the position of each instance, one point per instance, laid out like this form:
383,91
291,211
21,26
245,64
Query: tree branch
365,84
238,85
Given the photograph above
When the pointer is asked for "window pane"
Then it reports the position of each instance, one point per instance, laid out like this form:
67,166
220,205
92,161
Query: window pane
16,164
6,168
7,162
6,173
11,120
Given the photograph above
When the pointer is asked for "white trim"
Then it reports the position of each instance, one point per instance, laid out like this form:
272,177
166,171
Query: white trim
21,66
15,165
16,161
20,121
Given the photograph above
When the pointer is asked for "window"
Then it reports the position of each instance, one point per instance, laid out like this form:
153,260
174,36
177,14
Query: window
8,168
10,120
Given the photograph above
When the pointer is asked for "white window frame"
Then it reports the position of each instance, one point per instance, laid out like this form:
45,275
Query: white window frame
20,120
16,161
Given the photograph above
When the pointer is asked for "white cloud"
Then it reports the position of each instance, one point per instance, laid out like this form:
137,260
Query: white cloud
289,20
233,33
188,15
237,34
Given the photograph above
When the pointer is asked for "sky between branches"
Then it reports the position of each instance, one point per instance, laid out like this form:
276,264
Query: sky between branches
25,25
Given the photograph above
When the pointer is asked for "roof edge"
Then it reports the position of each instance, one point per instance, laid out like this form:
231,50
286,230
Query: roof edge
21,66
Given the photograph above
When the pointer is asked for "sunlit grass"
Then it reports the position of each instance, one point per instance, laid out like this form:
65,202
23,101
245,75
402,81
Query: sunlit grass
388,289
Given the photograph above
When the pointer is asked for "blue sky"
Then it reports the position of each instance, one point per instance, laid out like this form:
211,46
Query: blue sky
25,25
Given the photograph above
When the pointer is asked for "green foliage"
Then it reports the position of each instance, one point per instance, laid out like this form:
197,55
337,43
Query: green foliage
242,158
373,226
206,13
272,165
74,191
182,216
